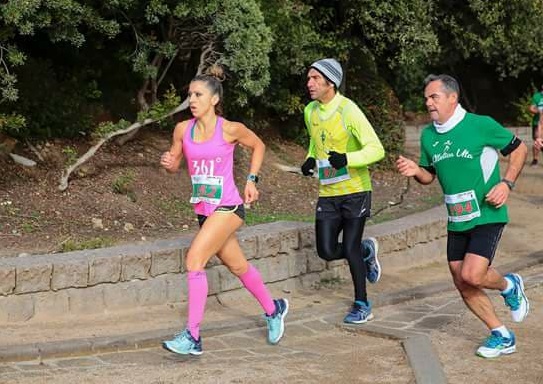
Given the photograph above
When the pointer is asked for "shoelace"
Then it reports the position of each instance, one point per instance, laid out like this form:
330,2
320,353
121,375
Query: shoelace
493,341
512,301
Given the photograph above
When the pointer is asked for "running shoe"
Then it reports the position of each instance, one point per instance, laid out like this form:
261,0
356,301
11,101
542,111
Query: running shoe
533,163
370,247
496,345
184,344
276,322
359,314
516,299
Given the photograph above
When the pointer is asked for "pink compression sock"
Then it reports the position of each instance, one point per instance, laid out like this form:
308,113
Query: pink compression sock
197,282
252,280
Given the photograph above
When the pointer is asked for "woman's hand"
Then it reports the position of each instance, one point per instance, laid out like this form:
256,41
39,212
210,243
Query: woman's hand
251,193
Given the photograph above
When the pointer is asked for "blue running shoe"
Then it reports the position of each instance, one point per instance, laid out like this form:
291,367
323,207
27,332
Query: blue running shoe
360,313
496,345
276,322
184,344
370,247
516,299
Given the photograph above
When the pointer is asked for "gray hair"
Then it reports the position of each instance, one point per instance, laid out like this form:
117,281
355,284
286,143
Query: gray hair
450,84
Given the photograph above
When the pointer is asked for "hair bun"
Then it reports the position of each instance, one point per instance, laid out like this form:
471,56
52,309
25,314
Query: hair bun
216,70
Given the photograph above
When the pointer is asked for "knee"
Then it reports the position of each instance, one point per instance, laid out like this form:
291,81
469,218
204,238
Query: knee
325,253
239,269
472,279
193,262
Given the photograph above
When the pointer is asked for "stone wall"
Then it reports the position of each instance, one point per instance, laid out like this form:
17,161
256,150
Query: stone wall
153,273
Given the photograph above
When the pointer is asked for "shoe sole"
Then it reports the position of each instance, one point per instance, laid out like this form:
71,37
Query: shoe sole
370,317
283,315
521,283
168,348
376,259
505,351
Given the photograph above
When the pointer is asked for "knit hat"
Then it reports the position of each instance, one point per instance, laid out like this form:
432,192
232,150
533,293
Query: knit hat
330,69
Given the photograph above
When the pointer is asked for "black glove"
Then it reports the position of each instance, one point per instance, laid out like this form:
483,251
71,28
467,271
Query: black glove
337,160
307,167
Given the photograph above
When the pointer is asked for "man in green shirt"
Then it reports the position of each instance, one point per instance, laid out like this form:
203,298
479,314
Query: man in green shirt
536,107
461,150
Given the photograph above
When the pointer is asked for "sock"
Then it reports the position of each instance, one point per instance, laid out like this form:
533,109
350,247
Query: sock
503,331
509,286
252,280
362,302
197,282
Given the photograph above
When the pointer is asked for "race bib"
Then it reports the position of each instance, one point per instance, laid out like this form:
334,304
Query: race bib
207,189
330,175
462,206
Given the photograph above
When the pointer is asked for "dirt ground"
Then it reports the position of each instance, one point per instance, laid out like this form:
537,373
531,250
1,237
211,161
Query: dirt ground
122,195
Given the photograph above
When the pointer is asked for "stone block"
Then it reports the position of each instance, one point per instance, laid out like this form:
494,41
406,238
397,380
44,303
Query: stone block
104,269
166,261
16,308
70,274
314,262
392,242
268,245
307,237
249,247
85,301
213,280
152,291
120,296
310,280
274,268
7,280
297,264
49,305
228,280
135,266
290,240
33,278
176,287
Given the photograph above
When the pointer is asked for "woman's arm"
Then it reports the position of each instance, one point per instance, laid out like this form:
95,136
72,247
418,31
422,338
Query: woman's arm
171,160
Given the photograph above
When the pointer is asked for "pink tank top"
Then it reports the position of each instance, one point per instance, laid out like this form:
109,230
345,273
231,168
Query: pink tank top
211,168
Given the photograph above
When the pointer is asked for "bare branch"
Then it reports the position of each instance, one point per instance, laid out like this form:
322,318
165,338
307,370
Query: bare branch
63,185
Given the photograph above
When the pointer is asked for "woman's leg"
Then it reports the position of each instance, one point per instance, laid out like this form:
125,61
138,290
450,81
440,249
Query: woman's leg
208,241
232,256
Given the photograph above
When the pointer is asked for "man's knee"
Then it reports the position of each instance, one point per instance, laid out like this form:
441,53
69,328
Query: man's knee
326,253
473,278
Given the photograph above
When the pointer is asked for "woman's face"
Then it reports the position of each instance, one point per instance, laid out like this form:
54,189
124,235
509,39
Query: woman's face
201,101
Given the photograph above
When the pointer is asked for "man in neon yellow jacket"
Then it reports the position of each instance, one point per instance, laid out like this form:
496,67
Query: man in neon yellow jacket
342,144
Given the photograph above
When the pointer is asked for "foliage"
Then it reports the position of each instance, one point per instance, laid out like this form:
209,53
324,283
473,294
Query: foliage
94,243
123,185
70,153
522,105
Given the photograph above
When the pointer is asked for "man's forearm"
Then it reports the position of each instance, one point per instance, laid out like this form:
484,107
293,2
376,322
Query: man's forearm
516,162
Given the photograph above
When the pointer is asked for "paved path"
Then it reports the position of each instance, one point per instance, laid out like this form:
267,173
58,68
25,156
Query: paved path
317,348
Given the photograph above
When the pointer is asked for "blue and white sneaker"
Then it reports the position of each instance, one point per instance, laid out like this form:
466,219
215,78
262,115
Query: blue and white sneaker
276,322
184,344
496,345
370,247
360,313
516,299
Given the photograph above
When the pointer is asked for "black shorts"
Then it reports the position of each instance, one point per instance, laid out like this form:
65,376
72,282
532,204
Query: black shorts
534,132
352,206
481,240
237,209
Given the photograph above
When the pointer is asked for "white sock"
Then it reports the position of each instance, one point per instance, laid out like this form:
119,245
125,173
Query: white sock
503,331
509,285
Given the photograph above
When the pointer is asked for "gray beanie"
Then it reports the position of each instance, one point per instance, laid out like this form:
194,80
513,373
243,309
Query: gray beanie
331,69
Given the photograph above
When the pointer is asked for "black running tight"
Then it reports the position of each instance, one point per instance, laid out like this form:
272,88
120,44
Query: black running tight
329,248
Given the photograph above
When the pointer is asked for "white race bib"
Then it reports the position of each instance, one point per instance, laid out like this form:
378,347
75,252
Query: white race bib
462,206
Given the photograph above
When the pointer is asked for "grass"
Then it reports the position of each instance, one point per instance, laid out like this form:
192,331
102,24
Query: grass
253,217
175,207
94,243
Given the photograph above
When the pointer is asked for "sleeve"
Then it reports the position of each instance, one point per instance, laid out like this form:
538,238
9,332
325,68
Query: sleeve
534,99
495,134
371,148
311,149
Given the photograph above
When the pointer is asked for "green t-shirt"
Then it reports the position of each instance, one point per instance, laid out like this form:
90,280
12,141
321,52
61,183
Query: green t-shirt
537,101
465,159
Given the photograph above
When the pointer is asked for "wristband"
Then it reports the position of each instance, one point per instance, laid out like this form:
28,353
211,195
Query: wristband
509,183
252,178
